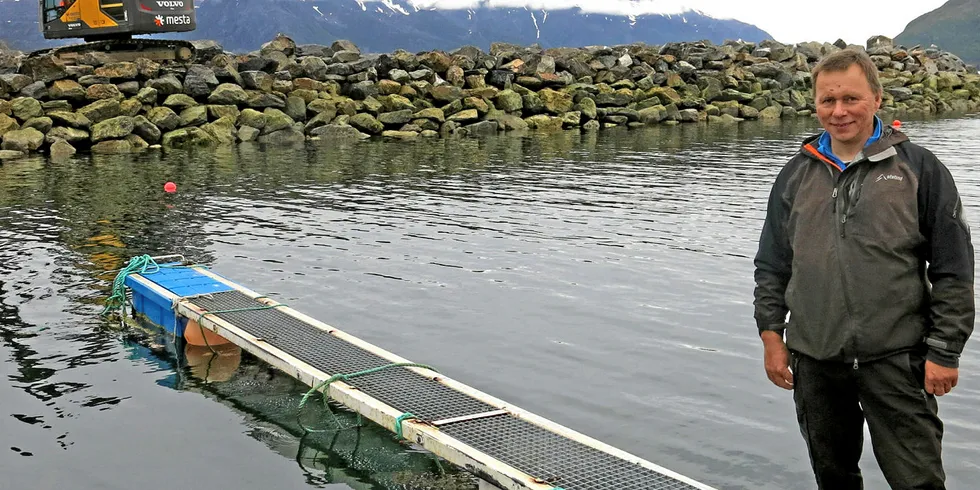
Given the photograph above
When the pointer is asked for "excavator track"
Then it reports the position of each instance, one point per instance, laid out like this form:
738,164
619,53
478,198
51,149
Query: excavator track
125,50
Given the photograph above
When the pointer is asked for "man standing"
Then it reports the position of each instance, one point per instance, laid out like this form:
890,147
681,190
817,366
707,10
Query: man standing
866,248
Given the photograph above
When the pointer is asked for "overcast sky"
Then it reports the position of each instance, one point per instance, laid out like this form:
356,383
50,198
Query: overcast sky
789,21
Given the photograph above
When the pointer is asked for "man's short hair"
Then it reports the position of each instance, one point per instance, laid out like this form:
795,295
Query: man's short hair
843,59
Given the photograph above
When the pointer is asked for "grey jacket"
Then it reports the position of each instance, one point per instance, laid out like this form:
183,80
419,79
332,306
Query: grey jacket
868,261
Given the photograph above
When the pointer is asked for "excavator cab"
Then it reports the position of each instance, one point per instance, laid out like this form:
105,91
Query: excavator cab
109,25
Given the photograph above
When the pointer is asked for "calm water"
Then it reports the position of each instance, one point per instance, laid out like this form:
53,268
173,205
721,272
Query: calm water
603,281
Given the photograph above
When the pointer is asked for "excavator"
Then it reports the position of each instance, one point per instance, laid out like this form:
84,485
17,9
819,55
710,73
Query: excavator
109,26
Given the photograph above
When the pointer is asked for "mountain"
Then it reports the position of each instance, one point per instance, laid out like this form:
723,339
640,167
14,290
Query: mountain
952,27
387,25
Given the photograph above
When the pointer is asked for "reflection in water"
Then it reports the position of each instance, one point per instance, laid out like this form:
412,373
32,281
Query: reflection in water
329,445
599,279
213,364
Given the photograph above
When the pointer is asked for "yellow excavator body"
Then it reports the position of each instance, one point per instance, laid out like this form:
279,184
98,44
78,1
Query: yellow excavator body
90,12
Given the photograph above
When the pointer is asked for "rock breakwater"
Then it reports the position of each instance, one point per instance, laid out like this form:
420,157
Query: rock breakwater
285,94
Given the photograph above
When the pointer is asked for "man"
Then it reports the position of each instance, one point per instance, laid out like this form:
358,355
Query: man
866,248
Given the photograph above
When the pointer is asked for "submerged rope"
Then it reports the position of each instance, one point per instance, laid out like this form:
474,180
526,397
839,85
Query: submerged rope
345,377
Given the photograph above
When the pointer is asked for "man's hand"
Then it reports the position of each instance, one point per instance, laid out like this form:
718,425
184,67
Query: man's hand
939,380
777,360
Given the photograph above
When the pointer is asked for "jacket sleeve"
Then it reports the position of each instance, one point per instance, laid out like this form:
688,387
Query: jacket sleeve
773,263
949,252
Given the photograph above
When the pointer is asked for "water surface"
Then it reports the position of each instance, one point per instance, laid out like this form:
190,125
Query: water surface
601,280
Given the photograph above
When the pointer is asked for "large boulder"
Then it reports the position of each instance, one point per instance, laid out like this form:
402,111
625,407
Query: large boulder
71,135
875,42
166,85
280,43
276,120
143,128
367,123
206,49
70,119
25,108
164,118
199,81
223,130
44,68
228,94
9,61
28,139
193,116
288,136
114,128
101,110
315,68
12,83
100,91
188,137
66,89
121,71
42,124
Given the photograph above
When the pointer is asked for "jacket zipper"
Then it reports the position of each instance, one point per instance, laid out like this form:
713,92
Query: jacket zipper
841,209
841,226
843,214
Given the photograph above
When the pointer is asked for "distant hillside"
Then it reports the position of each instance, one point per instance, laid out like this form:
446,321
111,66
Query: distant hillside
242,25
954,27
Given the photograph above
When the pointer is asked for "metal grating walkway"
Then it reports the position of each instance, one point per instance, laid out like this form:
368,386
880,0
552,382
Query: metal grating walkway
556,459
550,457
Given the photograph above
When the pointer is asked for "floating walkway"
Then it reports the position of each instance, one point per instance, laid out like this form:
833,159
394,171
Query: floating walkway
496,441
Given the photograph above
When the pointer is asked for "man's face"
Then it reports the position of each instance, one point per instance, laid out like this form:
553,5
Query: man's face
846,105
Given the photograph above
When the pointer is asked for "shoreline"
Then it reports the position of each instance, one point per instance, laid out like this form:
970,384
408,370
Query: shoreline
286,94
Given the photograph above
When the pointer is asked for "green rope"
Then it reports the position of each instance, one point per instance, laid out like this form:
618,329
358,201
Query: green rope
142,264
398,422
345,377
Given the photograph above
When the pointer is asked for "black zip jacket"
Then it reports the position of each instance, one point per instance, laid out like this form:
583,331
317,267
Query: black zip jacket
868,261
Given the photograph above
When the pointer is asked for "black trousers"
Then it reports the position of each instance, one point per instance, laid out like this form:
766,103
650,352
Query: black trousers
833,399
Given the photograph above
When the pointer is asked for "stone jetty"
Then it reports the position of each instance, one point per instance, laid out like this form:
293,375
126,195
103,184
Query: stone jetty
286,94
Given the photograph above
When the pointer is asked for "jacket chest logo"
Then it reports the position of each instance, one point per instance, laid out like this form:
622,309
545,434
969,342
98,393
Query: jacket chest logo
882,177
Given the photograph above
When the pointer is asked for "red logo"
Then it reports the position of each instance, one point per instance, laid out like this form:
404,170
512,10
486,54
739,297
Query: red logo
158,20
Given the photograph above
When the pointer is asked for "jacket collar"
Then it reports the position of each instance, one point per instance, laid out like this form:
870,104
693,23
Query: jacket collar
885,146
824,143
877,150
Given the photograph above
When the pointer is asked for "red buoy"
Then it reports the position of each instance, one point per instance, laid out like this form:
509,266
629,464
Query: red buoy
170,187
896,123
